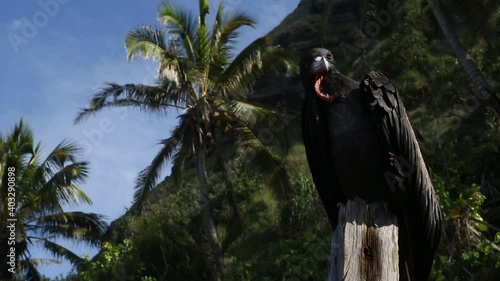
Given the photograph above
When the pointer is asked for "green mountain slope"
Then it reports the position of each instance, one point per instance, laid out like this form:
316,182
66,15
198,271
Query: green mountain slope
289,239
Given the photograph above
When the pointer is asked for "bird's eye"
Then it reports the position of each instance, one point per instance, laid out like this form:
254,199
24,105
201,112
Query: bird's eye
329,56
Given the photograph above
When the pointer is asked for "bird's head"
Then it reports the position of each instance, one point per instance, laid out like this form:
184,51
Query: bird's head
314,65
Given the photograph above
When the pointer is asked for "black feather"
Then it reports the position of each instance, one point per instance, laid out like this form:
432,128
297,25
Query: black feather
419,205
362,145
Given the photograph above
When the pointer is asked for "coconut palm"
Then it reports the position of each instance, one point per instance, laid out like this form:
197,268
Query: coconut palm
199,75
42,187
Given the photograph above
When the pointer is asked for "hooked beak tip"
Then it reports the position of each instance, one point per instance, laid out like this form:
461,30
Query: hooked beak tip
320,64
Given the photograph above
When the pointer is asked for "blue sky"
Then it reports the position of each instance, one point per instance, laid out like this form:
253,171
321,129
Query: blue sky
56,53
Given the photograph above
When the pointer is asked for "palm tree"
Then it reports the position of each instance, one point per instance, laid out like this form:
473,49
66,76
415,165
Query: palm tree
198,75
41,188
485,91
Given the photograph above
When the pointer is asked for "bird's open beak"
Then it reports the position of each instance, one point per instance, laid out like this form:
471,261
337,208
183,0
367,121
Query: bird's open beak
320,66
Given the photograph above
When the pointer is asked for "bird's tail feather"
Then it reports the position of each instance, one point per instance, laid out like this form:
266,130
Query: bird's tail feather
406,263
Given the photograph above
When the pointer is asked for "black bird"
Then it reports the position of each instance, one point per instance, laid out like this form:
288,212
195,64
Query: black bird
360,143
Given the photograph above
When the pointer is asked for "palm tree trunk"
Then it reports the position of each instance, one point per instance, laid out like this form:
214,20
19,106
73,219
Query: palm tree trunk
207,216
485,92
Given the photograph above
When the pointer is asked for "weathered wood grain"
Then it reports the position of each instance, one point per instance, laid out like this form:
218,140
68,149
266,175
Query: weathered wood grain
365,243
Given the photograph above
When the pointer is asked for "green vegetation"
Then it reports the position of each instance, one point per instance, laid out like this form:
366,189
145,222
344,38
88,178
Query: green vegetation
198,75
259,217
41,190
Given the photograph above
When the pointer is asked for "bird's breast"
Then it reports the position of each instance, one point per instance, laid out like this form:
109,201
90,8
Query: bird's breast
358,155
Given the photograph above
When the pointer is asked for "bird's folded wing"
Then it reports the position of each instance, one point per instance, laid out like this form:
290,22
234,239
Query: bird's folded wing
319,156
407,174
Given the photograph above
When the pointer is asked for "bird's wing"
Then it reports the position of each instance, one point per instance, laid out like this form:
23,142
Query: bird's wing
317,145
407,175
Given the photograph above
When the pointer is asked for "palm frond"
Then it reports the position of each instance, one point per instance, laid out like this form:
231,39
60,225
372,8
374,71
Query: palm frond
181,23
30,271
61,188
76,226
60,252
45,187
258,58
21,133
250,114
35,154
47,262
279,129
66,151
280,61
179,159
239,76
256,152
151,98
149,42
145,42
149,177
220,52
225,28
21,139
204,8
58,175
204,57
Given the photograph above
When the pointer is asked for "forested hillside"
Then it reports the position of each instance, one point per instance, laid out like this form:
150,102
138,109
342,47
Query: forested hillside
270,233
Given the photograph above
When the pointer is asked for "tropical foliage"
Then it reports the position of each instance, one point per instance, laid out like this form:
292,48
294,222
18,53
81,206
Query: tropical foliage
42,188
198,74
239,229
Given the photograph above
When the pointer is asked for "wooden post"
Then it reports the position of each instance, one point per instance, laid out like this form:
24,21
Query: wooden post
365,243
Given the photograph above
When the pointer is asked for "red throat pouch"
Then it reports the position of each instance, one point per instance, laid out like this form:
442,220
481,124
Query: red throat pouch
319,89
